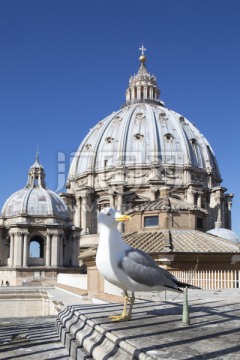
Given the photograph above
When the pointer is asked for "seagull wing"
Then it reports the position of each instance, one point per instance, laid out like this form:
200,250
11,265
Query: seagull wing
141,268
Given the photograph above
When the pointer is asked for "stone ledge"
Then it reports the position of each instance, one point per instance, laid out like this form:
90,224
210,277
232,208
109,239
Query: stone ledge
109,298
73,289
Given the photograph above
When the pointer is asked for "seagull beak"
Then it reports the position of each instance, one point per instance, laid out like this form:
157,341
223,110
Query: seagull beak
120,217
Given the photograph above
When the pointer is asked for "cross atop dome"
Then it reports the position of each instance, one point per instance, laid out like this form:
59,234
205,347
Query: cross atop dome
142,57
142,49
37,154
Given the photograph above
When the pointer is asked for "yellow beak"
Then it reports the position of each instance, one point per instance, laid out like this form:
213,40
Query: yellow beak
123,218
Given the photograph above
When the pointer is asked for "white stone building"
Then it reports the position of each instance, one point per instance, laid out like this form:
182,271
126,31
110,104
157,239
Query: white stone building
145,159
37,237
129,156
154,163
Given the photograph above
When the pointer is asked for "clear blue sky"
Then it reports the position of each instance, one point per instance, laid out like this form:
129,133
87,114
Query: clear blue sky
65,65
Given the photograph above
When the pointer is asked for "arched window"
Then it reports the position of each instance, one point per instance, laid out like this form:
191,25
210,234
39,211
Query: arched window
103,202
36,247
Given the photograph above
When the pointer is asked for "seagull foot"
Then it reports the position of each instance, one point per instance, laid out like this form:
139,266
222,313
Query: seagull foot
119,317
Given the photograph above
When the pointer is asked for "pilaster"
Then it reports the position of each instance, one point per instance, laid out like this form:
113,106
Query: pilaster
75,249
25,249
48,249
54,250
11,256
18,249
77,215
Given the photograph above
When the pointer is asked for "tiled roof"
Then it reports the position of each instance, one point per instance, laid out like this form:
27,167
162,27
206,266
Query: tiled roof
148,242
180,241
174,241
198,241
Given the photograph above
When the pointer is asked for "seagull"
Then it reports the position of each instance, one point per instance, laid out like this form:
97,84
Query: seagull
128,268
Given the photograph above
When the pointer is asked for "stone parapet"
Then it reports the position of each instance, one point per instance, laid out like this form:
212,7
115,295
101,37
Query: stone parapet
84,338
157,330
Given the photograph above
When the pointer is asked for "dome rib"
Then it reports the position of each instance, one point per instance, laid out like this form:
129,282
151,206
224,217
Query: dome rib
154,134
98,145
122,149
24,206
50,202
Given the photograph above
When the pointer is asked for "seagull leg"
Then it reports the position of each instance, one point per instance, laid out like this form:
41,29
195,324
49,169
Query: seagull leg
124,315
129,316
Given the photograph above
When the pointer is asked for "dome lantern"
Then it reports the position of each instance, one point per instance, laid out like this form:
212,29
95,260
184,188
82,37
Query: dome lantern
143,86
36,175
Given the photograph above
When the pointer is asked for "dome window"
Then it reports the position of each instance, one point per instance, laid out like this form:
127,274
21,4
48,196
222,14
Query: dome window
109,139
181,119
42,198
162,116
117,119
88,146
138,136
140,115
193,141
169,137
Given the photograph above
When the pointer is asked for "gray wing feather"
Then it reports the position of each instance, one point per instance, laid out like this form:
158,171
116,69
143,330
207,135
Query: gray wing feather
141,268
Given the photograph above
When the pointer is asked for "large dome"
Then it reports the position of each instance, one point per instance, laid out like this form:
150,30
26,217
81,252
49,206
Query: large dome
132,155
35,199
144,133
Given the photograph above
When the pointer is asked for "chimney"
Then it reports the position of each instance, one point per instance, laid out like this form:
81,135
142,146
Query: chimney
165,191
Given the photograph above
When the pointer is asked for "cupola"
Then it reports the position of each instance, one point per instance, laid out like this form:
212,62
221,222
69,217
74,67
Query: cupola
36,175
143,86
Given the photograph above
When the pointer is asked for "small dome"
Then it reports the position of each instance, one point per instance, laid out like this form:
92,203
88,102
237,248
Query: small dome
35,202
35,199
225,234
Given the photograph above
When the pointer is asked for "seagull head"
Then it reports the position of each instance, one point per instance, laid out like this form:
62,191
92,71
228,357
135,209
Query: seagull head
110,217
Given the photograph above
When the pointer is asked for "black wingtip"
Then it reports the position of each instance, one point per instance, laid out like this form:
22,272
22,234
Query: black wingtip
173,288
189,286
